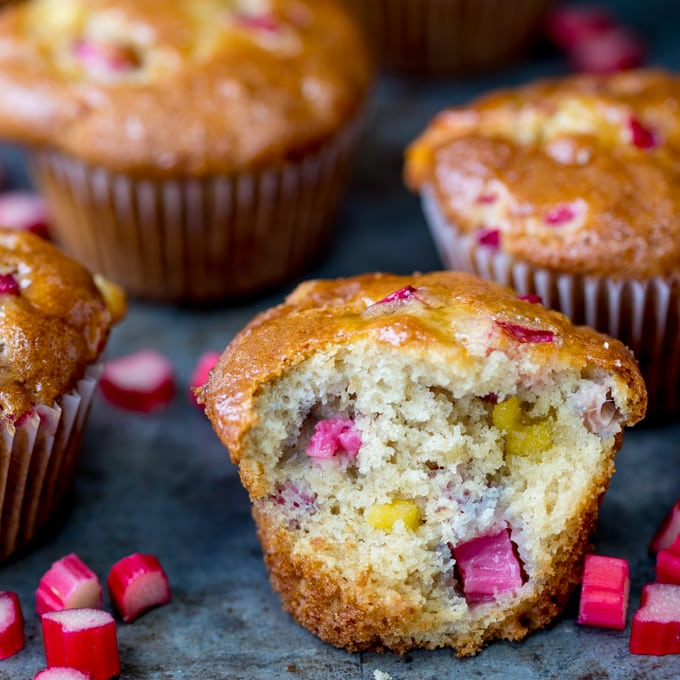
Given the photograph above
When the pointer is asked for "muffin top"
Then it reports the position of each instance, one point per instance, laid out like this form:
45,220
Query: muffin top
580,174
457,317
172,87
55,322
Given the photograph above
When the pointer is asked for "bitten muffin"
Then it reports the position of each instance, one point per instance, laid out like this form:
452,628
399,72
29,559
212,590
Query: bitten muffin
55,322
569,189
190,151
425,455
449,36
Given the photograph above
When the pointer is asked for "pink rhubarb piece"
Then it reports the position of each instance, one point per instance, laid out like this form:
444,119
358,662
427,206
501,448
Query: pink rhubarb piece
137,583
336,436
68,584
61,673
488,567
143,381
641,136
604,592
668,530
24,211
617,49
568,25
401,295
259,22
84,639
104,57
668,563
11,624
206,362
489,237
524,334
9,285
656,625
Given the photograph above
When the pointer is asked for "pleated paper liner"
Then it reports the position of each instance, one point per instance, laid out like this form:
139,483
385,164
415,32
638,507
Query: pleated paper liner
449,36
645,315
38,461
197,240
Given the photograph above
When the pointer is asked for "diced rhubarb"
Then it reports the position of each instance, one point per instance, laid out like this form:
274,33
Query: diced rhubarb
488,567
137,583
68,584
523,334
259,22
487,199
84,639
400,295
206,362
61,673
534,299
656,625
489,237
336,436
668,530
568,25
604,592
615,50
106,58
24,211
641,136
143,381
561,215
668,563
9,285
11,624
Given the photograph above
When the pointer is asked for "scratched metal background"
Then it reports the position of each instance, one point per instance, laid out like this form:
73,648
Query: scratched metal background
163,483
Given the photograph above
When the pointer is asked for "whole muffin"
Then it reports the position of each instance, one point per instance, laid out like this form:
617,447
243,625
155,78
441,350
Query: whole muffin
55,322
569,189
449,36
190,151
425,455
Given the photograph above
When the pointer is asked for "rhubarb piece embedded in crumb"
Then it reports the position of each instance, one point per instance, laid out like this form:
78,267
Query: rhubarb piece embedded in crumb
334,437
488,567
206,362
11,624
84,639
143,381
68,584
137,583
61,673
668,530
604,592
656,625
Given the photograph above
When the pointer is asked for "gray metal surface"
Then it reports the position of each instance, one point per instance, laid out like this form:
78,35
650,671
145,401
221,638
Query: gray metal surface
163,483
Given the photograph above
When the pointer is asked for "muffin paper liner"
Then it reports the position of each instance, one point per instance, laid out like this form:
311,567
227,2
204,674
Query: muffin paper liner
199,240
454,36
38,460
644,315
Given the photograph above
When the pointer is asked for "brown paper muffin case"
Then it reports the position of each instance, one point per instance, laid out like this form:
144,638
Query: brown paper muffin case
645,315
38,461
452,36
197,239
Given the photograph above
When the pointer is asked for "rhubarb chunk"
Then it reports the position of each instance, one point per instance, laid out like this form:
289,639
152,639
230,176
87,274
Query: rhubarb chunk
336,436
668,563
68,584
656,625
524,334
604,592
137,583
84,639
24,211
11,624
668,530
143,381
61,673
488,567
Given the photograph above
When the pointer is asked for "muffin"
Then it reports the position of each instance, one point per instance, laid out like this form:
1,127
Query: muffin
449,36
425,455
569,189
190,151
55,322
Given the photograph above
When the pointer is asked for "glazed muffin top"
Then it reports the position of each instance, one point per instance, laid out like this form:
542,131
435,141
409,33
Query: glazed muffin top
457,317
580,174
55,322
174,87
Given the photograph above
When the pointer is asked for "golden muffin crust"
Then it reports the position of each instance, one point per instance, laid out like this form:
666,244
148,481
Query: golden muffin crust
383,424
172,87
55,322
579,174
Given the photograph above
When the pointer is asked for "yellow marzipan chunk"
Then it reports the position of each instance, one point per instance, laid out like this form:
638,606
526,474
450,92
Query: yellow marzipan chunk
385,516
